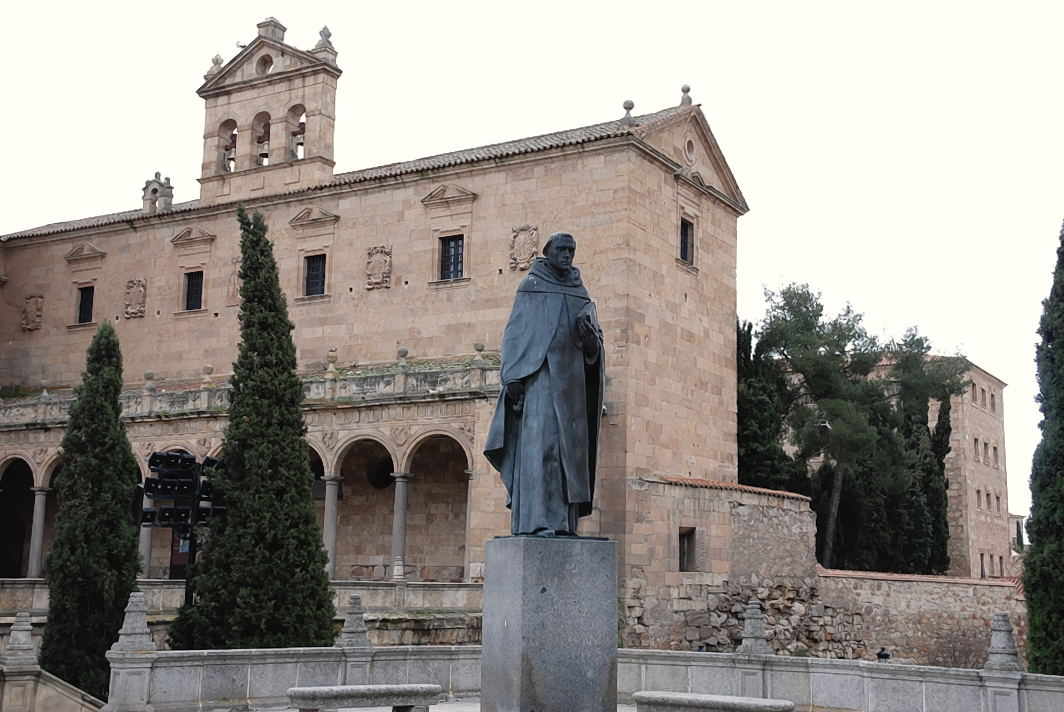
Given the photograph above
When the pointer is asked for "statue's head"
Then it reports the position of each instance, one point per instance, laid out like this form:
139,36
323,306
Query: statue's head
559,250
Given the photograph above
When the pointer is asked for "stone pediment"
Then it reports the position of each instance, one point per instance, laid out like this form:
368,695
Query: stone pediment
449,194
688,139
313,217
243,69
192,237
85,253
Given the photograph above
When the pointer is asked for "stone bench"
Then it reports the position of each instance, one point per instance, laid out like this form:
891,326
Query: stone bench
654,701
401,698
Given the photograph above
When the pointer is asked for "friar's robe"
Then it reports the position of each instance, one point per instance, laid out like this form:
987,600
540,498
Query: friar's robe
546,454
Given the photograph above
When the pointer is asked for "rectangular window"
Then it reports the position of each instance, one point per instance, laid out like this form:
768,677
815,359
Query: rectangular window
687,549
1001,566
687,241
85,299
995,456
993,403
991,566
982,565
997,499
452,257
988,501
314,280
973,394
976,441
983,399
979,498
986,452
193,290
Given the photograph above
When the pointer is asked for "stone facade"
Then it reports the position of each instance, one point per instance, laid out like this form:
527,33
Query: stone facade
980,535
399,356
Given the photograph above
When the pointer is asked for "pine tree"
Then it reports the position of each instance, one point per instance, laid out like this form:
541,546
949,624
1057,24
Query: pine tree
1043,570
261,582
94,561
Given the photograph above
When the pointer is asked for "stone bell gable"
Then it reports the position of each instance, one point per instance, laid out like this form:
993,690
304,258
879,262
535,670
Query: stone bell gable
270,116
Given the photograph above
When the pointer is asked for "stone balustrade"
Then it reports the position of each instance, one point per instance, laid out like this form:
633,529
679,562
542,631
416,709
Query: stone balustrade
442,379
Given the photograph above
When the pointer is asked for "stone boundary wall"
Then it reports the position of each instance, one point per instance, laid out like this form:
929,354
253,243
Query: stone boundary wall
181,681
188,680
839,685
810,611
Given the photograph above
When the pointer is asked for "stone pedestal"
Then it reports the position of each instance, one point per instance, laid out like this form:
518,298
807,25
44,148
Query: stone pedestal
550,625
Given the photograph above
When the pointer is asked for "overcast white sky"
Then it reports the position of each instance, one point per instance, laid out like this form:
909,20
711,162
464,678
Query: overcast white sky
905,157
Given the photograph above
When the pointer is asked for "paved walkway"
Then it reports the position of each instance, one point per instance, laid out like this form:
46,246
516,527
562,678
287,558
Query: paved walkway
466,704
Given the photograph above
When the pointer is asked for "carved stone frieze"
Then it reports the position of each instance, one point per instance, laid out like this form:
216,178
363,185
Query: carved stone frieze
32,312
136,293
379,267
524,246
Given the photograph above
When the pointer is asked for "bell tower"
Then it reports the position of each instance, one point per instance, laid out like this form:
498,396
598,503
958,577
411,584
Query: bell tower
269,119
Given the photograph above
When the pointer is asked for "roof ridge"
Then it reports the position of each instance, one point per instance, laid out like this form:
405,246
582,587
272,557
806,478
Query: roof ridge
638,126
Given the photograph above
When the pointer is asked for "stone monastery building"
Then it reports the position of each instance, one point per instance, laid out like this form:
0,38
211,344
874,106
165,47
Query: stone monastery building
400,279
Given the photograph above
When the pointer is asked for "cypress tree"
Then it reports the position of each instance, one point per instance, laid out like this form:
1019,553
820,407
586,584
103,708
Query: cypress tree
261,582
1043,570
94,561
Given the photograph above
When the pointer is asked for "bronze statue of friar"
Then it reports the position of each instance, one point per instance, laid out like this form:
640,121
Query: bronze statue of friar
544,435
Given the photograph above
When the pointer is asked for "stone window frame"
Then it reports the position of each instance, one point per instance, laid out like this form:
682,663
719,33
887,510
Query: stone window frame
187,269
304,253
79,285
687,541
438,236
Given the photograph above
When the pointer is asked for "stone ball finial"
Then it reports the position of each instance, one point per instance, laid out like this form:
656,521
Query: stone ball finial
628,105
402,353
685,100
478,346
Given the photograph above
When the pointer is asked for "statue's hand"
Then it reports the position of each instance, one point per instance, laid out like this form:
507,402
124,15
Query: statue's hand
515,391
589,335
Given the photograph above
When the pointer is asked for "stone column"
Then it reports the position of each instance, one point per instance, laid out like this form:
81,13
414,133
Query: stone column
145,541
332,515
399,526
40,502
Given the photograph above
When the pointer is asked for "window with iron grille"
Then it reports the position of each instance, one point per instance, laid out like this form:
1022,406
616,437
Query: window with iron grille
687,241
85,299
193,290
314,275
452,257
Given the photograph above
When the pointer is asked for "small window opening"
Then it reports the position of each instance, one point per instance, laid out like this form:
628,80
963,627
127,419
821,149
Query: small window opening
982,399
986,452
976,449
995,456
228,157
993,403
314,275
982,565
997,499
264,66
687,240
687,549
1001,566
988,501
299,138
979,499
262,145
193,291
974,399
991,568
86,295
452,257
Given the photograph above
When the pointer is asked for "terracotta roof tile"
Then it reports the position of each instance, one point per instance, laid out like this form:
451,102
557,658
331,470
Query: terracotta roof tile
715,484
638,127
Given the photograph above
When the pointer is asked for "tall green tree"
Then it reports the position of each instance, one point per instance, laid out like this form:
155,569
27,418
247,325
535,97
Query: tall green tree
856,413
261,582
94,561
1043,569
763,402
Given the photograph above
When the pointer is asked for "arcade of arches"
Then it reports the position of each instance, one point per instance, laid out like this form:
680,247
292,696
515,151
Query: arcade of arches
386,513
